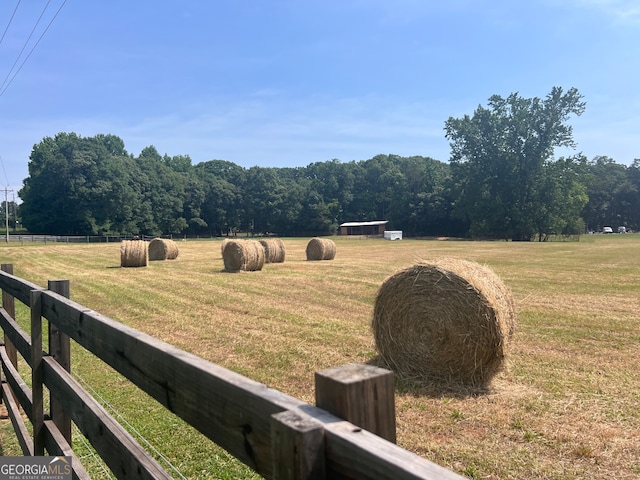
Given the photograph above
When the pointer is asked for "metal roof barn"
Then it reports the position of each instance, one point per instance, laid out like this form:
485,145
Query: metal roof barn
376,227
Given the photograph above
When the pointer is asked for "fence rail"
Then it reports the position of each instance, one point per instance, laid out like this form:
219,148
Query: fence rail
34,238
277,435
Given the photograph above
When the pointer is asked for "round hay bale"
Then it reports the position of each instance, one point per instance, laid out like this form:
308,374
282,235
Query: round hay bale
245,255
274,250
163,249
134,253
448,322
321,249
329,249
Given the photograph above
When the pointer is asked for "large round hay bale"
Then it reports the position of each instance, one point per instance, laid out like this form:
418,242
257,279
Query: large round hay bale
274,250
321,249
450,321
245,255
134,253
163,249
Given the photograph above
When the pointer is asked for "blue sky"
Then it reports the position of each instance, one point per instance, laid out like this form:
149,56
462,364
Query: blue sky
290,82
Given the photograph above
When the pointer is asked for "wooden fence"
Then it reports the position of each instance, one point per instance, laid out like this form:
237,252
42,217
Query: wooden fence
34,238
350,433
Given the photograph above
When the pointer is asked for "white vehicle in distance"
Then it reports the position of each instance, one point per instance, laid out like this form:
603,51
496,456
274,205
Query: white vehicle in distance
607,230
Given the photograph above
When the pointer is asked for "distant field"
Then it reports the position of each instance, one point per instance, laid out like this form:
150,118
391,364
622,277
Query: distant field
566,408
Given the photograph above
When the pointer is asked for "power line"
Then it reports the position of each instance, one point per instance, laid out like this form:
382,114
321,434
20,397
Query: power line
32,49
10,21
4,171
26,42
7,187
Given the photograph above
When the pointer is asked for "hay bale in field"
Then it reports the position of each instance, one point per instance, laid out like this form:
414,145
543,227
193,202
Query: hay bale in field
163,249
321,249
274,250
246,255
134,253
449,322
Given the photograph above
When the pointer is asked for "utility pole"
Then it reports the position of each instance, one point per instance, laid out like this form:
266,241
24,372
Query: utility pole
6,213
15,214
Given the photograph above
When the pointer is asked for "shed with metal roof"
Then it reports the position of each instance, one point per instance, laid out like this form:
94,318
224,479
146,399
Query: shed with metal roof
373,228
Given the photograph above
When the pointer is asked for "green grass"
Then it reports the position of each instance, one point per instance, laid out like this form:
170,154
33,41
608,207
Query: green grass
566,407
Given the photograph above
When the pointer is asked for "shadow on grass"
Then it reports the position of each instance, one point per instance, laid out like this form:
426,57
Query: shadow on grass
430,387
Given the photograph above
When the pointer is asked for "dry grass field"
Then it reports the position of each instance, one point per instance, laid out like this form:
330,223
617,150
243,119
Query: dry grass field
567,407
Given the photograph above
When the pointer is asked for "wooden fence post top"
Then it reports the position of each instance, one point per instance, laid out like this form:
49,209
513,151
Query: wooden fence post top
354,372
360,393
297,447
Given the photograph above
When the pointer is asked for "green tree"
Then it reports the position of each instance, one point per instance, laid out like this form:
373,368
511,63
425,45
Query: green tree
9,212
330,186
632,221
223,209
223,205
605,179
112,144
561,198
195,195
178,163
419,205
77,185
499,156
266,195
374,183
163,194
316,216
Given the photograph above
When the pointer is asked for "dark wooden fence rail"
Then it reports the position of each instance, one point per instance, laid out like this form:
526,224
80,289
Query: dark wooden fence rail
279,436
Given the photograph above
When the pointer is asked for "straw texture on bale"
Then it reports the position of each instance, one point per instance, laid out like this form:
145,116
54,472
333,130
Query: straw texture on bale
163,249
245,255
448,322
134,253
321,249
274,250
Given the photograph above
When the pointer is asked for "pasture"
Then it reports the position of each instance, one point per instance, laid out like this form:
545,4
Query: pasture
566,407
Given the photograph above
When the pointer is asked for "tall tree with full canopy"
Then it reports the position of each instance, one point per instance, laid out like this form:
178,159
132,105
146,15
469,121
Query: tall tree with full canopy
373,186
499,158
562,198
418,204
331,191
633,196
611,191
223,206
266,196
78,185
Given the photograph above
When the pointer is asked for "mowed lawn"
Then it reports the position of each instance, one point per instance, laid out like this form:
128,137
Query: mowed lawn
568,405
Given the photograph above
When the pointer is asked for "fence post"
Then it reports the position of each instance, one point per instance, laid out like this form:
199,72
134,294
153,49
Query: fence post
37,389
60,350
297,447
361,394
9,304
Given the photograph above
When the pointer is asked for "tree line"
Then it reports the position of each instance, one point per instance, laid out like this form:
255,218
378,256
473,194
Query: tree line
501,182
